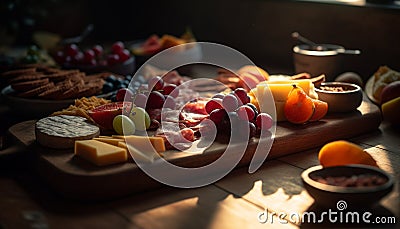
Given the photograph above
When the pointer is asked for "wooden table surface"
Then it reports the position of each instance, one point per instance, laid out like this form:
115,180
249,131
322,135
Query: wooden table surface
233,202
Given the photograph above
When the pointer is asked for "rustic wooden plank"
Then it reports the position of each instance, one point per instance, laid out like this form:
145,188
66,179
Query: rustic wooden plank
24,132
275,186
26,203
61,168
295,138
386,137
207,207
9,188
386,160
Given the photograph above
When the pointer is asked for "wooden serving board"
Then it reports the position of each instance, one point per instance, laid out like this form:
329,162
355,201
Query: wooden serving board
75,178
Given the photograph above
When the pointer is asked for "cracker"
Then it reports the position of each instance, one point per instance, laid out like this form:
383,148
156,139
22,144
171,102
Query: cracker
27,77
29,85
36,91
18,72
60,76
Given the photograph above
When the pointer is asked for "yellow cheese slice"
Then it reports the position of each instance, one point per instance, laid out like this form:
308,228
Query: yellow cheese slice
103,136
280,113
305,84
265,101
279,91
100,153
145,153
123,145
111,141
143,148
137,141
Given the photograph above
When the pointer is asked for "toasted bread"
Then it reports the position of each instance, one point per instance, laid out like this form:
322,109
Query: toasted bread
29,85
36,91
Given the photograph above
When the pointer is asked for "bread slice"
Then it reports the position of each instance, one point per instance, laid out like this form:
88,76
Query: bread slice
36,91
383,77
29,85
57,91
18,72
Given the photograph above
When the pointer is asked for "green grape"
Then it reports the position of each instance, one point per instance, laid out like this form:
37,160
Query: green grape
123,125
31,59
141,118
33,50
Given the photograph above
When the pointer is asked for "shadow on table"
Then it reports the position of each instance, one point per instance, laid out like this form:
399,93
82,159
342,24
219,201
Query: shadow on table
162,208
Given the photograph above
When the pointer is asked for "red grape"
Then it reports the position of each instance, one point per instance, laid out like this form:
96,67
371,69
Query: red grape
98,50
88,55
93,62
264,121
103,62
242,95
117,47
59,57
68,59
122,93
213,104
156,100
78,58
71,50
140,100
156,83
169,102
219,96
217,116
254,109
171,89
230,102
124,55
245,113
112,59
252,130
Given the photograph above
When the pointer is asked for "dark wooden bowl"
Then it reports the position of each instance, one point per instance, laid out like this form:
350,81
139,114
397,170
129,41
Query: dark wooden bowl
354,197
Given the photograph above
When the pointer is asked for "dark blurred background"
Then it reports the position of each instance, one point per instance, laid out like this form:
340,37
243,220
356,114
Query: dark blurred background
260,29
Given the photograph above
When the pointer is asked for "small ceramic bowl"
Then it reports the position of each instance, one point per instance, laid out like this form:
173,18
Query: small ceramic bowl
340,96
317,62
172,57
332,196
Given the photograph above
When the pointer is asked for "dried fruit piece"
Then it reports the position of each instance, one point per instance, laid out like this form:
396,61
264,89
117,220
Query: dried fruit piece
321,108
299,107
343,153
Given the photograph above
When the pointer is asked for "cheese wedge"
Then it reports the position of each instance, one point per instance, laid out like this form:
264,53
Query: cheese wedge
111,141
100,153
139,141
305,84
141,155
272,96
123,145
277,90
147,154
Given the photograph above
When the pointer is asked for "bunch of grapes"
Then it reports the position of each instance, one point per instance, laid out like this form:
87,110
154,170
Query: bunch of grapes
235,110
73,55
160,94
